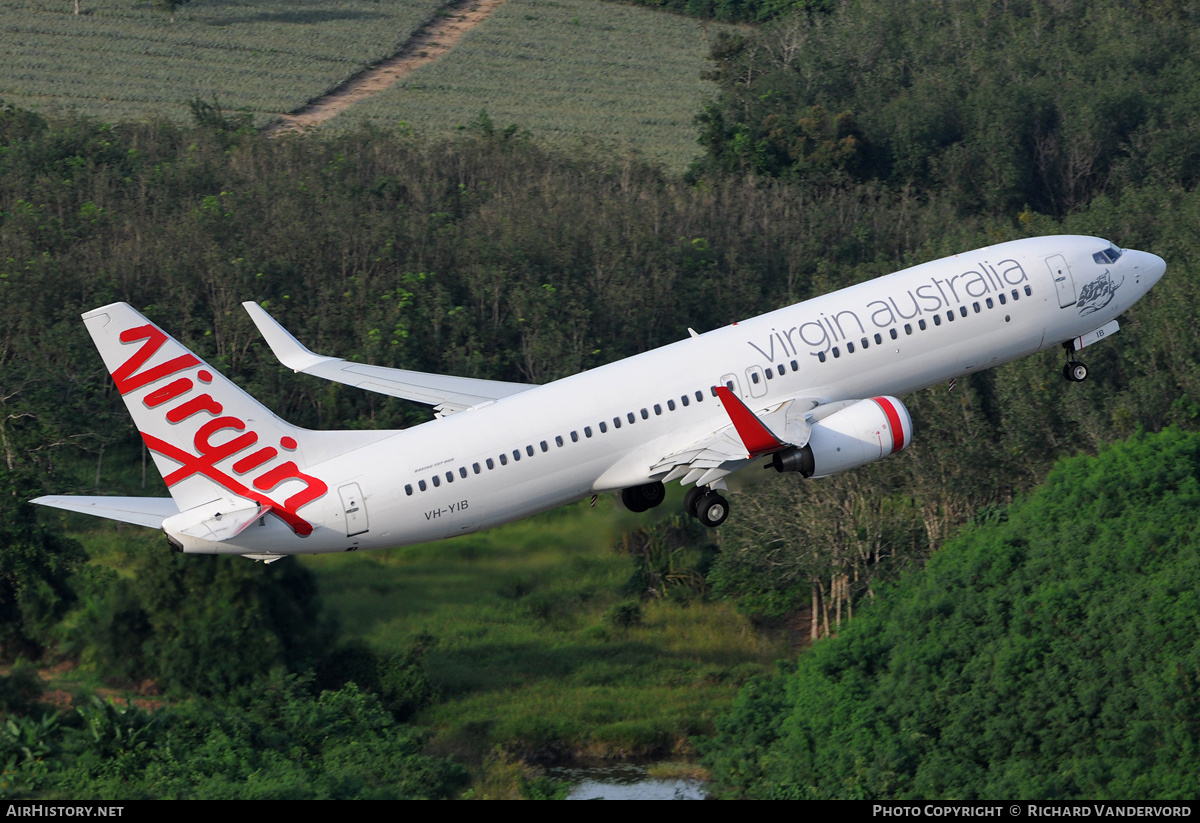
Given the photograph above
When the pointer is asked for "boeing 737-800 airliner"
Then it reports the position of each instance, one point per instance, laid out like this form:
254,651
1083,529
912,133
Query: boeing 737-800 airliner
812,387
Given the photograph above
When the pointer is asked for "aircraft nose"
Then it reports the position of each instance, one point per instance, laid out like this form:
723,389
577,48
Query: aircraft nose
1150,268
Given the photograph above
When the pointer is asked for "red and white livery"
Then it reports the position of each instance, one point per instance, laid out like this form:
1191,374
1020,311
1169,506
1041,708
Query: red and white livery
812,388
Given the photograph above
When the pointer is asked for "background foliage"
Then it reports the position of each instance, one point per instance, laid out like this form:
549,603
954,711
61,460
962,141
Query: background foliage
1052,654
846,142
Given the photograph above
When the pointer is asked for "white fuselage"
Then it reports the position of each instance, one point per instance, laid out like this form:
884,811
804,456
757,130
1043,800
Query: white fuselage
561,442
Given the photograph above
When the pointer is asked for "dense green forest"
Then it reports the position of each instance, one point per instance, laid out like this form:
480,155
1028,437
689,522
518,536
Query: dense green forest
845,144
996,106
1049,653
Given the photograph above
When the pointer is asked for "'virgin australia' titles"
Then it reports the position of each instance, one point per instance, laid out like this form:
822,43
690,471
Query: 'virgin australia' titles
816,334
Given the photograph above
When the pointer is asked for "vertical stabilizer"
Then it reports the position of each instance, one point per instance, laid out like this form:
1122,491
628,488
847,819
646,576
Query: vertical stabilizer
211,441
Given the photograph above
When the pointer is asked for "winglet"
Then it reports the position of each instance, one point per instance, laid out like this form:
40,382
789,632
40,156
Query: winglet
286,348
756,437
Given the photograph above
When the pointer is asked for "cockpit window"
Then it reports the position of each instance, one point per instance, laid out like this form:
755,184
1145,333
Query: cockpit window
1109,255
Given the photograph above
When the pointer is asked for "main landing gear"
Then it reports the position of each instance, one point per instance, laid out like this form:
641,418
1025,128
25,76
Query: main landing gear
706,505
643,498
1073,370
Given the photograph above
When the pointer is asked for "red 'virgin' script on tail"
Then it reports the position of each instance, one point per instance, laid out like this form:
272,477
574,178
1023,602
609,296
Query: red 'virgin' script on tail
207,454
192,464
154,337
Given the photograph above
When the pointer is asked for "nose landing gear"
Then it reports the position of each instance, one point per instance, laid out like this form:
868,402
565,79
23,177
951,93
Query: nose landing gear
1073,370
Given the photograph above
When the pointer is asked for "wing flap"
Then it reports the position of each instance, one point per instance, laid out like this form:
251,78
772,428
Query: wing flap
447,393
748,435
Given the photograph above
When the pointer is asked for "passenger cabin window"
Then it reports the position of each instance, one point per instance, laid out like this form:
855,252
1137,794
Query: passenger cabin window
629,416
684,399
770,374
794,366
616,422
937,320
645,414
475,468
587,431
421,485
821,356
603,427
753,377
908,328
449,477
849,347
436,481
545,447
893,334
657,408
504,460
408,489
962,310
462,471
836,353
990,304
490,464
921,324
516,455
671,405
558,441
1003,300
699,397
1028,291
575,437
865,343
878,339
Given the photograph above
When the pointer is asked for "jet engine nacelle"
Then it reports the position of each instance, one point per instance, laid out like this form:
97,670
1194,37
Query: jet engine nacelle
854,436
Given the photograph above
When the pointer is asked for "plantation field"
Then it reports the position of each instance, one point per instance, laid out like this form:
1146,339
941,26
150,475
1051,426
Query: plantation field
572,72
535,643
125,59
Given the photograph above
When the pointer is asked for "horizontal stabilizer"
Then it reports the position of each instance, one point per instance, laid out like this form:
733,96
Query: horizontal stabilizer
141,511
447,393
216,521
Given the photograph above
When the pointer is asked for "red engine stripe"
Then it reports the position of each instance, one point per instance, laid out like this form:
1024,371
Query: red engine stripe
894,421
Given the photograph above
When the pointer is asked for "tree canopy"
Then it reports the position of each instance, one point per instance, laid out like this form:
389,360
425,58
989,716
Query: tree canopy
1050,654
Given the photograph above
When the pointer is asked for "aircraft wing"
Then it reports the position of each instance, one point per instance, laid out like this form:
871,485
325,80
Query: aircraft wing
748,435
446,393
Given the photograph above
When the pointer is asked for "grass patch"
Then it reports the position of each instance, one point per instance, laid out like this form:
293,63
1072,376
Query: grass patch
125,59
526,656
574,72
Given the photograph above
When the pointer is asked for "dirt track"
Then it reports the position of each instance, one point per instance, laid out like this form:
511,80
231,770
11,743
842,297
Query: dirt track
427,45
